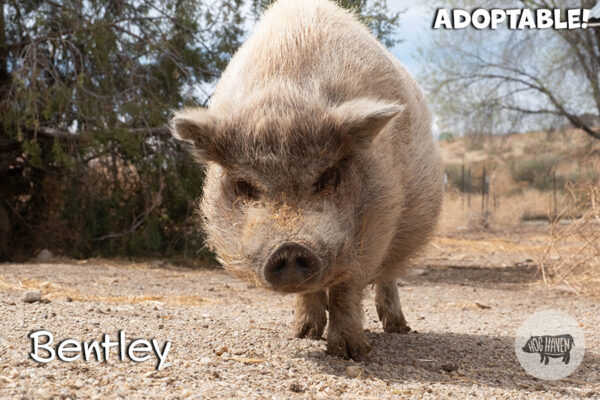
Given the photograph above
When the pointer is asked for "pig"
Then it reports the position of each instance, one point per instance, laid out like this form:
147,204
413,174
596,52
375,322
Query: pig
322,175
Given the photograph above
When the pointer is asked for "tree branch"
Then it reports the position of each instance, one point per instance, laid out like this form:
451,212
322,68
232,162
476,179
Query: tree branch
82,136
139,220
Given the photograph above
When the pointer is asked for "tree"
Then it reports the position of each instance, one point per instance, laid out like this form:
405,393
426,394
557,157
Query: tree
87,165
498,81
86,87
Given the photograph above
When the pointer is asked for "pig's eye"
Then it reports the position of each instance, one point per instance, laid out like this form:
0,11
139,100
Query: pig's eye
246,190
328,180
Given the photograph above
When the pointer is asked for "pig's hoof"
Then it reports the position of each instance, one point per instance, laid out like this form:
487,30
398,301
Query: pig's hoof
391,326
392,323
356,348
312,328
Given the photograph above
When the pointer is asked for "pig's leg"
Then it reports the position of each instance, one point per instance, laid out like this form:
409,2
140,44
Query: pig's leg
309,316
345,335
387,303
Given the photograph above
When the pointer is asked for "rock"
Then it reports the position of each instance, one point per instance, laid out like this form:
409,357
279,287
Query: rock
296,388
68,299
32,296
449,367
563,289
353,371
417,272
45,256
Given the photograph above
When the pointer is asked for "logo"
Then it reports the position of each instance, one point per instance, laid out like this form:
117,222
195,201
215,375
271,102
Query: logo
550,345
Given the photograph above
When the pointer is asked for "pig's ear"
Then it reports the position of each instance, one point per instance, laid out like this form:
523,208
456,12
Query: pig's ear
197,127
364,118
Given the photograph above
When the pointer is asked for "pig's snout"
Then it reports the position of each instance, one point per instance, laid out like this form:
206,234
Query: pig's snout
290,267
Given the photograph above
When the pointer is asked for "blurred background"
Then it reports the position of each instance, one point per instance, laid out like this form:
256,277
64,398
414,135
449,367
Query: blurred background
88,168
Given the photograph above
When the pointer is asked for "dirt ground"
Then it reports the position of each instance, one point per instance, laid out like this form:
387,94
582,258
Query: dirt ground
464,301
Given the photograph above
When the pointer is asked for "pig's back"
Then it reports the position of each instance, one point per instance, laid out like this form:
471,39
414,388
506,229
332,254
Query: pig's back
310,46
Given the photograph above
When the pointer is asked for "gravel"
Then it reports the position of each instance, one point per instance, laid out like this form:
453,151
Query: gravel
231,340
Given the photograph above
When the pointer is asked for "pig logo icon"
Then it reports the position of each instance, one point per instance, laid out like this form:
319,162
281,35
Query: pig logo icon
550,347
549,334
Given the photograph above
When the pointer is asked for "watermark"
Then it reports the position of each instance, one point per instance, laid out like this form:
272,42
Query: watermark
69,350
517,18
550,345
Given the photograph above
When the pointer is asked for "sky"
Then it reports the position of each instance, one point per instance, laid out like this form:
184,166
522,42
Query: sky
415,30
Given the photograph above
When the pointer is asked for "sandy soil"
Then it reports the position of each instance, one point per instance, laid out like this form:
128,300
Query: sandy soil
464,301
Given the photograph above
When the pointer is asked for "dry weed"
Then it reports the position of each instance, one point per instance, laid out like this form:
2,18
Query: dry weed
572,256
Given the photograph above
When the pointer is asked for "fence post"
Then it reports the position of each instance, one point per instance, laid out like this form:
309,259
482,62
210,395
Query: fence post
462,186
488,189
469,187
483,193
495,201
555,211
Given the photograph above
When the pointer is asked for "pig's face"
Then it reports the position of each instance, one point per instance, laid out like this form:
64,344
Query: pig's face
282,198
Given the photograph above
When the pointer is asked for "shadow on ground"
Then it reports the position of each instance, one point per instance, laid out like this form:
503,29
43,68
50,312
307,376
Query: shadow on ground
463,359
494,277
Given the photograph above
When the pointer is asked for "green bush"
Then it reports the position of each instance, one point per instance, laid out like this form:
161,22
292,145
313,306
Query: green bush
538,172
455,178
447,136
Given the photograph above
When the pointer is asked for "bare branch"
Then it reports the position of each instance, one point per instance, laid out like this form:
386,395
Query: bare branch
82,136
139,220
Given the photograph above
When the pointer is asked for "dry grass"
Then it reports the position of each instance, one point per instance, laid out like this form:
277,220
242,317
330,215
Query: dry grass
571,253
572,257
503,212
52,290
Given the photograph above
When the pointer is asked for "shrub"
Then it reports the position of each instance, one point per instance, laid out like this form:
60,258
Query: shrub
454,173
537,172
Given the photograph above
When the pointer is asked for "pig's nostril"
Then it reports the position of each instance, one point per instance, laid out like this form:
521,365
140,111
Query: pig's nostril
290,265
279,265
303,262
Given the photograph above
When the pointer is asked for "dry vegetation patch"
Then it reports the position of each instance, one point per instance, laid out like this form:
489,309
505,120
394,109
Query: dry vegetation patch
573,254
547,180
